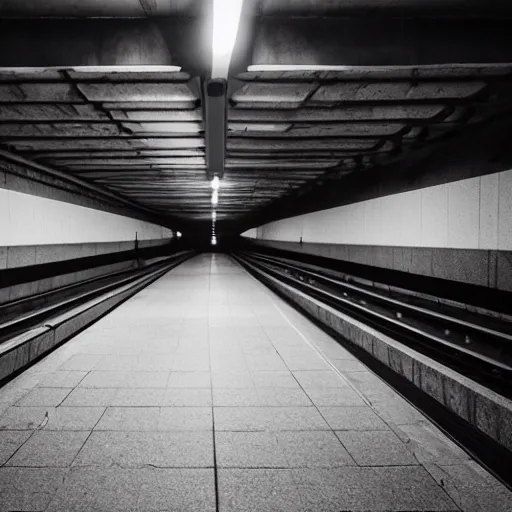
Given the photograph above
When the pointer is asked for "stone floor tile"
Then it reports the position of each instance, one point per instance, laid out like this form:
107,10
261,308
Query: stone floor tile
184,490
185,418
319,379
235,366
138,397
371,386
81,362
232,380
73,418
335,397
243,418
129,419
62,379
313,449
258,490
349,365
371,489
40,397
87,490
10,441
266,362
284,397
298,363
136,449
259,397
397,410
331,348
429,445
471,487
143,380
105,379
376,448
297,418
279,379
191,364
116,363
189,380
268,418
154,363
187,397
28,488
90,397
23,418
49,449
249,450
352,418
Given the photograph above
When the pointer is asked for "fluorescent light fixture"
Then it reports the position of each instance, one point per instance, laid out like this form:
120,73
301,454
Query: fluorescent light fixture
296,67
226,18
214,215
215,183
94,69
178,234
123,69
323,67
215,197
214,240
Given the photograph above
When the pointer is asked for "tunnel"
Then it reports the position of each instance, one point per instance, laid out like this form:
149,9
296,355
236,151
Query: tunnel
255,256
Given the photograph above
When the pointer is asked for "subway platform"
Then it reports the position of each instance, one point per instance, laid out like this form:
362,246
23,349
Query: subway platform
207,392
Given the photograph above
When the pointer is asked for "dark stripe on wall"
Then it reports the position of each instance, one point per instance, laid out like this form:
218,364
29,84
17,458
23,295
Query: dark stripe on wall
27,255
476,277
18,275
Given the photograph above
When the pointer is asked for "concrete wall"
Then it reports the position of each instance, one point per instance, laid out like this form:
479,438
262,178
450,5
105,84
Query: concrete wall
475,213
31,220
54,233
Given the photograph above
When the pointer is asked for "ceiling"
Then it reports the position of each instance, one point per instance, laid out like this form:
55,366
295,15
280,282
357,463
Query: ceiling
140,8
143,132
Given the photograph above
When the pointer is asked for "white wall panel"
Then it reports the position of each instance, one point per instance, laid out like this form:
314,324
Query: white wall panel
489,204
434,216
251,233
473,213
464,214
33,220
505,212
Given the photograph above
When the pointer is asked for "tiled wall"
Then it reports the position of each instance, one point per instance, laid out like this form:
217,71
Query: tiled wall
32,220
475,213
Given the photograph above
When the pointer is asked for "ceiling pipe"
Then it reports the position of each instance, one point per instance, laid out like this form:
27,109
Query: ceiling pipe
215,134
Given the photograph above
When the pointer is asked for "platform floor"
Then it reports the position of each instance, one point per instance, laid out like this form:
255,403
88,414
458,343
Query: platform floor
206,392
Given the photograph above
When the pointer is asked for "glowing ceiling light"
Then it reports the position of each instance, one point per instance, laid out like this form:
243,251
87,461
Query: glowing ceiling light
226,18
178,234
123,69
297,67
215,183
215,197
214,215
214,240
